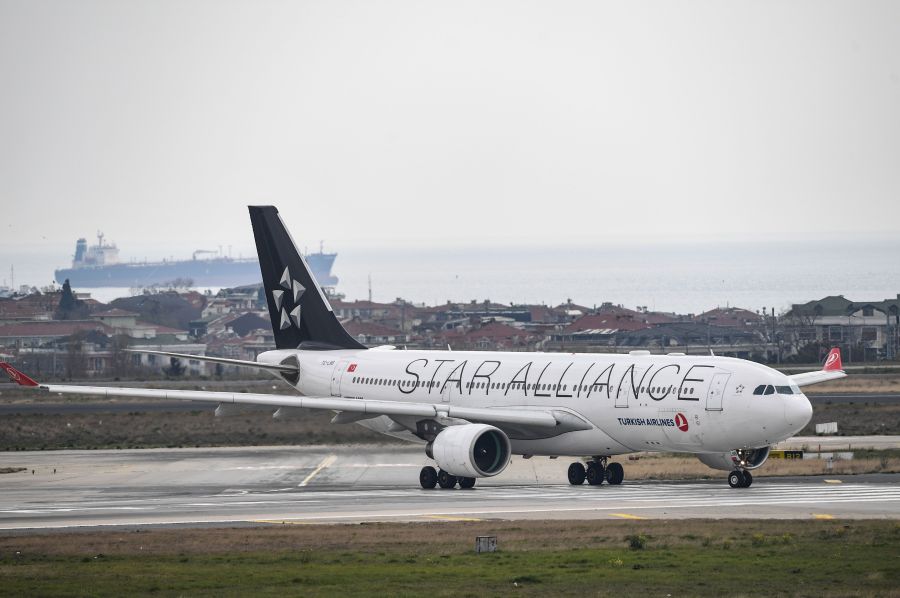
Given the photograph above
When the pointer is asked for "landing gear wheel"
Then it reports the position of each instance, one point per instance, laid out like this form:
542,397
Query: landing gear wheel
615,473
466,483
748,479
736,479
595,473
445,480
576,474
428,477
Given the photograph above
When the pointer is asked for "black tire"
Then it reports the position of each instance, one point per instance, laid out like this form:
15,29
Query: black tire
736,479
595,473
445,480
428,478
615,473
748,479
576,474
467,483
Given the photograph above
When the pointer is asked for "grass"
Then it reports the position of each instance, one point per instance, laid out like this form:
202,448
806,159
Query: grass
696,558
858,383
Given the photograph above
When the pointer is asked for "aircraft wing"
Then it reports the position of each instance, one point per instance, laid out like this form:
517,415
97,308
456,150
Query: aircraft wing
277,367
831,370
499,416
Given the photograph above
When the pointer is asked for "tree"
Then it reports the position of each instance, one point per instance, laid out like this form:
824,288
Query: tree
70,307
175,368
76,359
120,358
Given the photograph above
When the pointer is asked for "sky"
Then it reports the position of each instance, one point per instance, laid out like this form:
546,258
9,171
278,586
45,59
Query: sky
410,124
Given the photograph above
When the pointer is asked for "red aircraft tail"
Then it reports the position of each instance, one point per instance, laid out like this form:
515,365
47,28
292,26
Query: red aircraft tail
833,361
17,376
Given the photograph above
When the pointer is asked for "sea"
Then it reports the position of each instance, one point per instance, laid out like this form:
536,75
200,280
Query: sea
681,277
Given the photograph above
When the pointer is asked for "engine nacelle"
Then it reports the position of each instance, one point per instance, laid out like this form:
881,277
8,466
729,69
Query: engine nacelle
736,459
471,450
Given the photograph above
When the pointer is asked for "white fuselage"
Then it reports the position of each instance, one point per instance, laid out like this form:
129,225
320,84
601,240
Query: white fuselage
635,402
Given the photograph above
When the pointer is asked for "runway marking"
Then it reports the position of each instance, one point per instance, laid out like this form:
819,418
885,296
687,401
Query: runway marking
627,516
822,516
326,462
368,465
451,518
833,482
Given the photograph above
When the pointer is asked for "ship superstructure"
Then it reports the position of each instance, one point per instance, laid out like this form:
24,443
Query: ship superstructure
99,266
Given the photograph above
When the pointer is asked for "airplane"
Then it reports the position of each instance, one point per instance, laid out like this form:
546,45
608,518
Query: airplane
474,410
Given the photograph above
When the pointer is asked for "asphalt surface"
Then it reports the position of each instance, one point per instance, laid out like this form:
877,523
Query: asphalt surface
295,485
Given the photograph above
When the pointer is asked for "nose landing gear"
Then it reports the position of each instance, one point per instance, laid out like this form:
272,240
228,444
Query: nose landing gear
740,478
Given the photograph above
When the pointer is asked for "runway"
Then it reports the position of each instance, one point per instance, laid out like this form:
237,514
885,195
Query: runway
300,485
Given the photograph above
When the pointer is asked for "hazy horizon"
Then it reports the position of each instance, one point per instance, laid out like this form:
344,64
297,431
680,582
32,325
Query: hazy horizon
513,151
445,125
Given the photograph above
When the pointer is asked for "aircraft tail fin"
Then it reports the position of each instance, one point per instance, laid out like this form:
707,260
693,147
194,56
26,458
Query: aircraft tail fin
298,308
833,361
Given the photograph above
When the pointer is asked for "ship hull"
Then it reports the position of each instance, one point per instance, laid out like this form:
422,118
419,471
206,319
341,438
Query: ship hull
220,272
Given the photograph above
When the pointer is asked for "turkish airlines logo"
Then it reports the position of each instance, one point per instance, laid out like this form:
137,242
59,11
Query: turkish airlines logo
832,358
681,422
12,374
352,367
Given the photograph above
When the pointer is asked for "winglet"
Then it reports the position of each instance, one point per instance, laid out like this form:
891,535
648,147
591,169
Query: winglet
833,361
17,376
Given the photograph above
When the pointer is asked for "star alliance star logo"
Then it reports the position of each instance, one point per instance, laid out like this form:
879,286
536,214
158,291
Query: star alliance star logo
739,389
292,287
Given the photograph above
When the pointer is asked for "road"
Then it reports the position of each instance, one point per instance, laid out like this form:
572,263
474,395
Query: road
260,485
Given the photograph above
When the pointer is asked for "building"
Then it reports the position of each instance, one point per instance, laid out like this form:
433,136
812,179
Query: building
865,330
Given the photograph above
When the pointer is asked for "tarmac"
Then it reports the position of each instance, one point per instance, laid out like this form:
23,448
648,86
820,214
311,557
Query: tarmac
325,484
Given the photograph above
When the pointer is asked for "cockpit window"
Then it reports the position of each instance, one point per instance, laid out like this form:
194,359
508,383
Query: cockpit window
770,390
759,389
796,389
784,390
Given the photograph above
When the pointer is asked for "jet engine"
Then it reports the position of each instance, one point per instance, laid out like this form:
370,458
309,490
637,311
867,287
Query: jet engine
738,458
470,450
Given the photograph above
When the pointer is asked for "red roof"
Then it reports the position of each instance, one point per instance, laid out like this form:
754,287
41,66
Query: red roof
609,321
52,328
730,316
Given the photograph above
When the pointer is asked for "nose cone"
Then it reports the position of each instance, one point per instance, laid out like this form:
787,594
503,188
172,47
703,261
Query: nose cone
797,412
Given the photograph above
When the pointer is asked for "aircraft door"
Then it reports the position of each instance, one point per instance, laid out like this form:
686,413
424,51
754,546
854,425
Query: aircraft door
629,384
445,393
716,390
336,375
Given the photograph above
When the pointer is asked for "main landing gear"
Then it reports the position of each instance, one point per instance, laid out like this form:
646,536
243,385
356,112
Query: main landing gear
429,477
596,472
740,478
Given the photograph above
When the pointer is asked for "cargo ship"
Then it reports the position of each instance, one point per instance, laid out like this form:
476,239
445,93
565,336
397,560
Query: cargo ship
98,265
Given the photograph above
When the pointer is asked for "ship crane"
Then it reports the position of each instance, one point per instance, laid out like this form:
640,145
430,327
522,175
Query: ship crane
200,251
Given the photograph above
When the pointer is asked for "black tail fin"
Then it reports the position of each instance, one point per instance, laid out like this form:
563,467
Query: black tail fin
299,310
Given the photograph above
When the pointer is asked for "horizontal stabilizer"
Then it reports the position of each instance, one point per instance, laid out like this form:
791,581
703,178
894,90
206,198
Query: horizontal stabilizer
276,367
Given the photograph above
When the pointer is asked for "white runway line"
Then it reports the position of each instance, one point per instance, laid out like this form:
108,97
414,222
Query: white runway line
326,462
